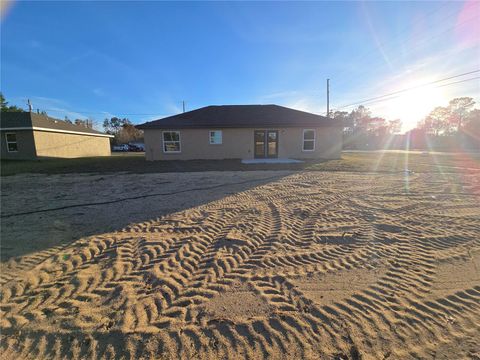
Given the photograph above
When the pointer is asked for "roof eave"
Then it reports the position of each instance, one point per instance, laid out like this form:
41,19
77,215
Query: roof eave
218,126
36,128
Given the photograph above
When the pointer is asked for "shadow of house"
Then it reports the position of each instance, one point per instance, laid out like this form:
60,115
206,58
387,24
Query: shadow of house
49,212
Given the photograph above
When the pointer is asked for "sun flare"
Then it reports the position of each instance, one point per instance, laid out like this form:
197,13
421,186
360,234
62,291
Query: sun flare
414,105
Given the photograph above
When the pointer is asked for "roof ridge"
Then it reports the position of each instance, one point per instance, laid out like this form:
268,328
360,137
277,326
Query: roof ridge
241,116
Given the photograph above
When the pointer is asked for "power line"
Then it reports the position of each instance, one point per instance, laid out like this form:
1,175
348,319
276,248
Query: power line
368,101
417,45
97,113
439,86
456,82
107,113
411,88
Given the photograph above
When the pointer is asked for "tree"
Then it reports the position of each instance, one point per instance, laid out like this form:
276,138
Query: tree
375,125
88,123
6,108
436,122
394,126
3,103
123,130
448,120
128,133
359,117
472,124
459,109
361,130
114,125
342,116
339,114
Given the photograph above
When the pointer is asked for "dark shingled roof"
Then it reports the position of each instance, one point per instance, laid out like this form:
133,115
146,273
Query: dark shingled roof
240,116
14,120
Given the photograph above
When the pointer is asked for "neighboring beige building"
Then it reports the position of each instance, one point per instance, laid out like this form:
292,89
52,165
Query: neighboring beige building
27,136
243,132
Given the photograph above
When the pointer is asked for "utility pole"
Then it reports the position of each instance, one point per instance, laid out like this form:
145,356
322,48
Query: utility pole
183,103
328,97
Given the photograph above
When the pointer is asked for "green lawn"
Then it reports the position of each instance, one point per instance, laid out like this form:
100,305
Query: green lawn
359,162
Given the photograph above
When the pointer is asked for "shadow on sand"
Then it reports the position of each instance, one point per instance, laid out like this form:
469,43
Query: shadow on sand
40,212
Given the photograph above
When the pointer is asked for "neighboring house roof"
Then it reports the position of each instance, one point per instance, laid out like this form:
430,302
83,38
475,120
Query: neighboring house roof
31,121
240,116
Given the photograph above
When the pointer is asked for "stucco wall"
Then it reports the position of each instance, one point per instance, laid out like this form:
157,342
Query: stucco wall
52,144
238,144
25,145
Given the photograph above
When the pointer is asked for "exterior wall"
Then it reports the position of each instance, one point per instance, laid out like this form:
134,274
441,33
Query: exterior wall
239,144
61,145
25,144
328,143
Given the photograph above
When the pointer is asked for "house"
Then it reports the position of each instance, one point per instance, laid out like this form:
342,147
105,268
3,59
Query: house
26,135
243,132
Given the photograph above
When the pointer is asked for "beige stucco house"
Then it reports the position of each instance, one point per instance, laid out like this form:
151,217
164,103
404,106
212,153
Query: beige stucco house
243,132
26,135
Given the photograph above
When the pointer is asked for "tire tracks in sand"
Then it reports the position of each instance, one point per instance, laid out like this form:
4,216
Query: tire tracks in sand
314,265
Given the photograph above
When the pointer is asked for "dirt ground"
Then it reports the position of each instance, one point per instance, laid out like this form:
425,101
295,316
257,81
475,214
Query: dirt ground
264,264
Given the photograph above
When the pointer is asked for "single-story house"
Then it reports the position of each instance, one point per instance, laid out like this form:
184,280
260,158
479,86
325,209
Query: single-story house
26,135
243,132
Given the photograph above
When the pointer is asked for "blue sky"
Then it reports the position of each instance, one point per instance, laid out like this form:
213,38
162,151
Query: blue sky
141,59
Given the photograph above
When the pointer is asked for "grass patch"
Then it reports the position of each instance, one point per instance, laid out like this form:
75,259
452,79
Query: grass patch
358,162
400,162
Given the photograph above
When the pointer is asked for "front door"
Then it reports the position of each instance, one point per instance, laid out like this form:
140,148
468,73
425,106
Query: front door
266,144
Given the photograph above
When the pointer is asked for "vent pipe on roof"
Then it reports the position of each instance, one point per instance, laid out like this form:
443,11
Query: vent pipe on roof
29,105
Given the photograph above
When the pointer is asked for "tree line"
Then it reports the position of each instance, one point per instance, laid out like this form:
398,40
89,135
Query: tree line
458,116
454,126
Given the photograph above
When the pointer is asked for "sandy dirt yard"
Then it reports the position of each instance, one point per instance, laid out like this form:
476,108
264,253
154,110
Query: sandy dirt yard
227,265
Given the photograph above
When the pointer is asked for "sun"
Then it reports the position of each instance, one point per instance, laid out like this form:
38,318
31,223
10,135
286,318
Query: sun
414,105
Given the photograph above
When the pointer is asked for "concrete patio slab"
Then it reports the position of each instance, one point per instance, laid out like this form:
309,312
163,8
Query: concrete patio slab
271,161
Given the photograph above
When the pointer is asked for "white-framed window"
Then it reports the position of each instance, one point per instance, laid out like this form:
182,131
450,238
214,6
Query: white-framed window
308,140
11,140
171,141
215,137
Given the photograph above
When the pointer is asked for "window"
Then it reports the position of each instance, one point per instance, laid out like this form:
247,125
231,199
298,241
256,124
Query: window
215,137
11,139
171,141
308,140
